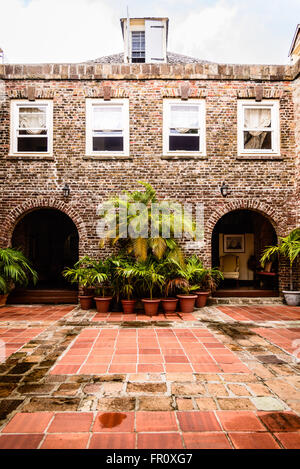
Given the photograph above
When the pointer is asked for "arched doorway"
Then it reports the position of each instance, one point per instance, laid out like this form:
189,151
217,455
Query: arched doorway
238,239
49,239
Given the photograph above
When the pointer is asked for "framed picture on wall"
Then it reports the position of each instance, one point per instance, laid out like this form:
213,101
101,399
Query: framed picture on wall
234,243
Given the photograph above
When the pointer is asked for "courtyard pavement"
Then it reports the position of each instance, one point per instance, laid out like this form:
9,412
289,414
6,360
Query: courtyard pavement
222,377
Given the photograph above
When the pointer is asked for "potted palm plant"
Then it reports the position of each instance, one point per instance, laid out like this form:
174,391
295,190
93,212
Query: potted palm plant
168,269
185,281
207,279
149,279
126,275
81,274
288,247
15,270
101,275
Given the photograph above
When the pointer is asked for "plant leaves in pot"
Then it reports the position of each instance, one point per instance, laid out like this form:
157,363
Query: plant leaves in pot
101,275
81,274
289,248
149,278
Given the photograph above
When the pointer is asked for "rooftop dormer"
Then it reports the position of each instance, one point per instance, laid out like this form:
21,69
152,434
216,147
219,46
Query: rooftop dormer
294,52
145,39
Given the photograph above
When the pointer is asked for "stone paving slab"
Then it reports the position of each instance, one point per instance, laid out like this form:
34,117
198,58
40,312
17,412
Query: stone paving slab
148,430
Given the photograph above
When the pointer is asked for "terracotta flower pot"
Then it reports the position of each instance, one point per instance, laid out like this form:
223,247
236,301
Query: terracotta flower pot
86,301
128,306
151,306
3,299
102,303
187,303
169,304
201,298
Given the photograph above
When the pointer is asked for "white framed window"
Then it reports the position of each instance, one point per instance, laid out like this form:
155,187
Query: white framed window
184,127
138,46
107,127
31,127
258,127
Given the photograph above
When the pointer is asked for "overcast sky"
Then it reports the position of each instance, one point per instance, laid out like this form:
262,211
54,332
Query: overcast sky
232,31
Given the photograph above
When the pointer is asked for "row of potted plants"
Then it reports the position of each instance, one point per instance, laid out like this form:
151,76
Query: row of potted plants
153,281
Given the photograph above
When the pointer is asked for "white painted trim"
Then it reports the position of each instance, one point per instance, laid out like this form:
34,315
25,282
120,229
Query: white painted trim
90,102
275,126
166,119
14,115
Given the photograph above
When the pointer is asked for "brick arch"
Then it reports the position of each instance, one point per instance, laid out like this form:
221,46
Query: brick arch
254,205
278,223
14,216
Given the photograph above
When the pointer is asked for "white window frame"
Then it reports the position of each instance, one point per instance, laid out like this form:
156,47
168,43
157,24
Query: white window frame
90,104
271,104
14,120
166,126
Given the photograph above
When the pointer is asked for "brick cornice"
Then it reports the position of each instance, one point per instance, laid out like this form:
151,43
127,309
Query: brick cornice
193,71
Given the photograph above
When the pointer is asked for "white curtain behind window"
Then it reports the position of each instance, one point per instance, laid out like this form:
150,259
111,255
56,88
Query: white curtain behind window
32,118
257,119
184,118
107,118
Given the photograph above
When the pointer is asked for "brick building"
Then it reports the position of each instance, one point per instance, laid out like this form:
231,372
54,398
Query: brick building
182,124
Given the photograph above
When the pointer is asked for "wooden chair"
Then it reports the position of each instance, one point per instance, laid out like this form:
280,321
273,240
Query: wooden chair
230,267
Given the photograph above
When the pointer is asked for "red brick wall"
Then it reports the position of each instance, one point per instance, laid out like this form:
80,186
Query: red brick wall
268,186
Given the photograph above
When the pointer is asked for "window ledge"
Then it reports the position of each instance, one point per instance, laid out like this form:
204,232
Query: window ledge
30,156
184,157
107,157
260,157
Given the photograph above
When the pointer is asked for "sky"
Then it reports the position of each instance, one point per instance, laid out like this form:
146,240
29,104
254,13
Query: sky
224,31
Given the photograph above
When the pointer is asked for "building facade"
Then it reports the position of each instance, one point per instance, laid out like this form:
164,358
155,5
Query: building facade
185,126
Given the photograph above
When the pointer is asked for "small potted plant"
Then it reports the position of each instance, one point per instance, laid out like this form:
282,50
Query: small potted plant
15,270
101,274
208,280
168,269
81,274
149,279
289,248
126,275
185,281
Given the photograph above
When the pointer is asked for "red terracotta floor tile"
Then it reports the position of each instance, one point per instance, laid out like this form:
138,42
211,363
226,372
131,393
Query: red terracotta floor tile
240,421
66,422
28,441
35,422
65,369
93,369
195,421
113,441
253,441
66,441
117,422
155,421
289,440
123,368
178,368
206,441
149,368
280,421
159,441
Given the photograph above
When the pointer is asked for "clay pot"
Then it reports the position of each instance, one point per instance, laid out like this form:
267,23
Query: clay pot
102,303
151,306
169,305
86,301
201,298
128,306
187,303
3,299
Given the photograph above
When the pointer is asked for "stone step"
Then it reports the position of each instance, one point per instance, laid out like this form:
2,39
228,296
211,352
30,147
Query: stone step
245,301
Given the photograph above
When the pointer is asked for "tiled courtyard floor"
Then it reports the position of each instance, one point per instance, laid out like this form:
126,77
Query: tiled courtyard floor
222,377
